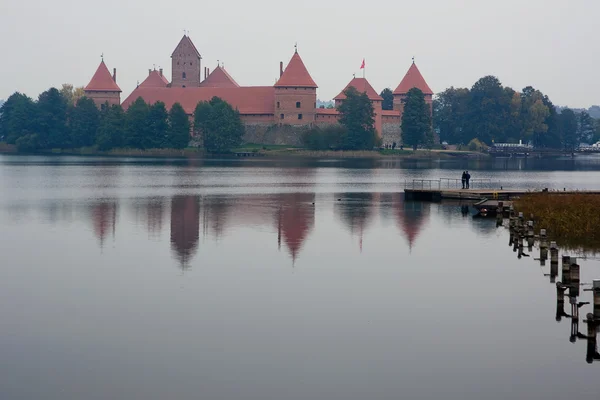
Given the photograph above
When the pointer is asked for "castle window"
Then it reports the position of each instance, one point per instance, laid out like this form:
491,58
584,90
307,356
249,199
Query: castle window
278,105
183,75
103,106
299,116
183,86
298,104
281,116
315,105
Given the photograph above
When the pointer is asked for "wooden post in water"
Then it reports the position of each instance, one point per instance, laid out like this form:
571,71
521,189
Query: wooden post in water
560,300
596,289
575,278
530,239
592,344
566,269
544,248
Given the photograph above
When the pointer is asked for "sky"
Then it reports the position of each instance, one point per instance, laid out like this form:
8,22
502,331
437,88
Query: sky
551,45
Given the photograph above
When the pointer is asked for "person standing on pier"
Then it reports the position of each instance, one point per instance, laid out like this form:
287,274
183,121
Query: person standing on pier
467,178
463,179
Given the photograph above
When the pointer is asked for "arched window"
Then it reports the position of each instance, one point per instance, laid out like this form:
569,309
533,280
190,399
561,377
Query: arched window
298,104
183,75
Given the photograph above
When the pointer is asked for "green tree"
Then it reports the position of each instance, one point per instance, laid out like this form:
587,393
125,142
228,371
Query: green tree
111,131
568,126
219,124
358,117
449,113
51,121
388,99
585,127
84,120
17,117
136,127
179,128
489,111
157,125
416,120
329,137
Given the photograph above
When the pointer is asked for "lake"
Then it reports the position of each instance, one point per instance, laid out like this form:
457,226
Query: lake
133,278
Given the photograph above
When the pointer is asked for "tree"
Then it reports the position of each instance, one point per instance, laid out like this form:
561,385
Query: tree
449,111
586,129
157,125
179,128
489,110
17,117
329,137
111,131
416,120
51,121
84,121
136,126
567,120
388,99
219,124
358,117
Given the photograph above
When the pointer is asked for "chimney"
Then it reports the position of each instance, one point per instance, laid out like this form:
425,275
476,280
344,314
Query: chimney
205,75
149,71
160,72
280,68
115,75
207,71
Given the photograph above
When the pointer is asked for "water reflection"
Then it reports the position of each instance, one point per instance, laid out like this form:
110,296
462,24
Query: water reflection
295,220
411,217
355,210
185,227
104,219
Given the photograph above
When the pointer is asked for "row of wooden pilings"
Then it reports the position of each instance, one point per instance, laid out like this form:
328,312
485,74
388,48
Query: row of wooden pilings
521,232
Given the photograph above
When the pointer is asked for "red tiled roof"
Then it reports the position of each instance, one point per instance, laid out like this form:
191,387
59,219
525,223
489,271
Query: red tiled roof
219,78
390,113
362,85
248,100
186,40
327,111
296,75
155,79
102,81
413,79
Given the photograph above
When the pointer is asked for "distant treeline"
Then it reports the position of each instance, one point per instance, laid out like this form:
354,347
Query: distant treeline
58,120
492,113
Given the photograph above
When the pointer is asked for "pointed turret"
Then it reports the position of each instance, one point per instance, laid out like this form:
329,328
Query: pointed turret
219,78
296,74
413,79
362,85
155,79
295,94
103,87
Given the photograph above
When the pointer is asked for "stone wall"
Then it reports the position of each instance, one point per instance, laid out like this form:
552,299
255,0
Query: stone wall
274,134
390,131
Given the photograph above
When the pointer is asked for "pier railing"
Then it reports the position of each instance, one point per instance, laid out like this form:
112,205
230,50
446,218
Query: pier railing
449,183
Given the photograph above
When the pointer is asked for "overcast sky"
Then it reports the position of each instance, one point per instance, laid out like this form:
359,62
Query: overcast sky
549,44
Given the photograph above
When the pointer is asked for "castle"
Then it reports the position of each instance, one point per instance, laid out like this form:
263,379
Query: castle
271,114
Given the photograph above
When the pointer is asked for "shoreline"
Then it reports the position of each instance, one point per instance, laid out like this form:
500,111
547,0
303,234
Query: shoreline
280,152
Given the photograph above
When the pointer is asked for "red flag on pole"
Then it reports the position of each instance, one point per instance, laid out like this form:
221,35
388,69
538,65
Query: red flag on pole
362,66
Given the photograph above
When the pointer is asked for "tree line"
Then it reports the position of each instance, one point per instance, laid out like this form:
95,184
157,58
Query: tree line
65,119
492,113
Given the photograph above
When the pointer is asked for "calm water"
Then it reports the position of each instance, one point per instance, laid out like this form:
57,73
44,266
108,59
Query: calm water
131,278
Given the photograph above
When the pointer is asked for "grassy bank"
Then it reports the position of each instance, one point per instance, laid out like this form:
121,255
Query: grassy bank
573,220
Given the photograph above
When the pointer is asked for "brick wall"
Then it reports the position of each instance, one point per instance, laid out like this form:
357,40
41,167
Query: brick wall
186,60
286,100
390,130
274,134
100,98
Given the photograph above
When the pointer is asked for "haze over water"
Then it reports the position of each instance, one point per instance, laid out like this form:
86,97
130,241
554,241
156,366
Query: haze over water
220,279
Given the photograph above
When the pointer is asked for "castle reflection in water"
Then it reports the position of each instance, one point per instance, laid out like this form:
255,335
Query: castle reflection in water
289,216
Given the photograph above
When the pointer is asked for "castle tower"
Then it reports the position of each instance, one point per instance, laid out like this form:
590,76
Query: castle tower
412,79
363,86
185,64
103,87
295,94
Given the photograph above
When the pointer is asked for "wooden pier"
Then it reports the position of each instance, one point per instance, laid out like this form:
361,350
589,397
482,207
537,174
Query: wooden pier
477,194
